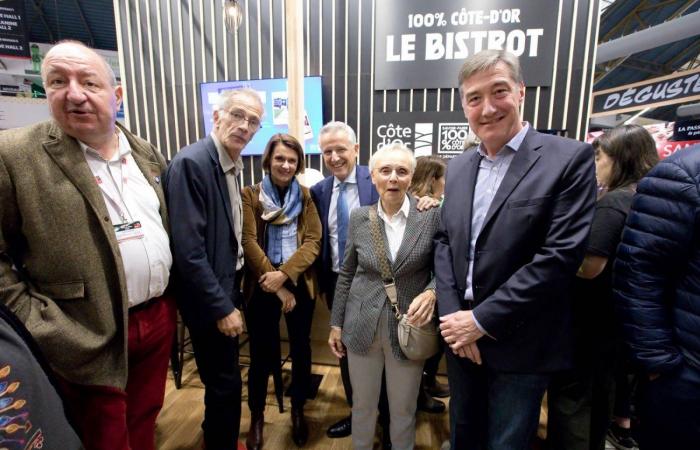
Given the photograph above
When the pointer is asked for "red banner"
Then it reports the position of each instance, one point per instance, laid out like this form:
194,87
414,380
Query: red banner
671,147
662,133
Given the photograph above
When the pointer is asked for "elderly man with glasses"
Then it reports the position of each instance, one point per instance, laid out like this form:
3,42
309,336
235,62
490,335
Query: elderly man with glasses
206,221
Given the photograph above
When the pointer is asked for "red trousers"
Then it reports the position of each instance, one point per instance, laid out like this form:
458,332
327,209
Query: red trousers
113,419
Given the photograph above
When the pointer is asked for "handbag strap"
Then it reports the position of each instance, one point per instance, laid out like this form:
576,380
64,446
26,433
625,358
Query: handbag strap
380,253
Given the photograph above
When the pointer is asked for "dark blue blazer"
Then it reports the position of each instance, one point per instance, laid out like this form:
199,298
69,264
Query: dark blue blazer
204,245
321,194
527,253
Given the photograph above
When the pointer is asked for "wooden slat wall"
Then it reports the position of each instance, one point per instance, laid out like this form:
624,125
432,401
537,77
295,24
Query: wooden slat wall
167,47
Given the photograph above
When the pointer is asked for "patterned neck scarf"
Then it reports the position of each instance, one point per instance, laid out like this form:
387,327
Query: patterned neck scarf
278,213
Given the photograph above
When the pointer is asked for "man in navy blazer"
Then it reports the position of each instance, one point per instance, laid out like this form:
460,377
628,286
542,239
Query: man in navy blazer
206,220
339,148
516,215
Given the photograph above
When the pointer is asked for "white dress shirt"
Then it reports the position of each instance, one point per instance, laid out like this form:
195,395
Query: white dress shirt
130,198
395,226
231,171
352,199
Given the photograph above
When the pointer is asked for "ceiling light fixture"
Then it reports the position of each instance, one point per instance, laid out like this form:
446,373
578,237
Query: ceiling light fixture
233,15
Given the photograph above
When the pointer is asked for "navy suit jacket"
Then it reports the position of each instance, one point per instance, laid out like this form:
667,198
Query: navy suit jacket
204,245
527,253
321,193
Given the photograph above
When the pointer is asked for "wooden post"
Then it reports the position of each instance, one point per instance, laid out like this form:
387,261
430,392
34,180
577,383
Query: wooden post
294,21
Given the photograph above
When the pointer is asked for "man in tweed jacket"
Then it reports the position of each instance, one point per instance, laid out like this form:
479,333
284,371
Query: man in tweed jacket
84,251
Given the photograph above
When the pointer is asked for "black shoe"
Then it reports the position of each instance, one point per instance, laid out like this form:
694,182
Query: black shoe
254,441
621,438
435,388
300,431
340,429
428,404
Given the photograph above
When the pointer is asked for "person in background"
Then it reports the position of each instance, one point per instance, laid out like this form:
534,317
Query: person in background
207,224
429,179
85,254
657,295
579,400
363,324
281,240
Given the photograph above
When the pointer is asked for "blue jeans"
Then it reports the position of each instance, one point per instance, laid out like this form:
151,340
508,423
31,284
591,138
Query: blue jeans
492,410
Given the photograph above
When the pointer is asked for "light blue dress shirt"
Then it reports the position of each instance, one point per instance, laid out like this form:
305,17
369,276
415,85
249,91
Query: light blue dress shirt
488,180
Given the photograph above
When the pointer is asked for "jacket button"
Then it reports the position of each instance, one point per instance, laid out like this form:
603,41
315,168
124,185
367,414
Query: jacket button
106,218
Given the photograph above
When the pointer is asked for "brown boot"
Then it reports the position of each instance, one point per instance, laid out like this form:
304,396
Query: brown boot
254,441
300,431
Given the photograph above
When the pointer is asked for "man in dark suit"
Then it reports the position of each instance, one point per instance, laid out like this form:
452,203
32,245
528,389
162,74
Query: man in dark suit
205,212
515,219
339,147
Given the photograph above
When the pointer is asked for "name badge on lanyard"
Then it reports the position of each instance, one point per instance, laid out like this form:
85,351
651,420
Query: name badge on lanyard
128,230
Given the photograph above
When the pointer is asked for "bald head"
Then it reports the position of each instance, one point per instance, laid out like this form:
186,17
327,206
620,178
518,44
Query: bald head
78,50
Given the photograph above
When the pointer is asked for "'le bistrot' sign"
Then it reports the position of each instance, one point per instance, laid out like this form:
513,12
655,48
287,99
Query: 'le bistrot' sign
422,44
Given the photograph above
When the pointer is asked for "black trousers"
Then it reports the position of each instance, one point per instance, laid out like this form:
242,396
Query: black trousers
670,410
262,319
216,356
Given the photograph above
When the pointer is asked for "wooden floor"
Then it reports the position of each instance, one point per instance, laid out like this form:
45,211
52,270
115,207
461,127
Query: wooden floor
178,426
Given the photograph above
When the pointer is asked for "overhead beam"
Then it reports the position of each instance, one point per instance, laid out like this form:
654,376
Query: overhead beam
645,66
87,27
656,36
40,13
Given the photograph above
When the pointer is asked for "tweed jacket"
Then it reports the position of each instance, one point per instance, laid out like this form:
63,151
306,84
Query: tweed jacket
360,296
301,264
61,271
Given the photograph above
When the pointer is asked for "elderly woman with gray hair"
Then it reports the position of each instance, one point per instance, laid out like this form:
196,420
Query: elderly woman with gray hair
362,321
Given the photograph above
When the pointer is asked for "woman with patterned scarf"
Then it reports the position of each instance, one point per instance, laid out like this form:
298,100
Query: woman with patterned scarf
281,240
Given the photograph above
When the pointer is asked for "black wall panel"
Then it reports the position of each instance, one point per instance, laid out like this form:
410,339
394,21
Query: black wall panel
168,47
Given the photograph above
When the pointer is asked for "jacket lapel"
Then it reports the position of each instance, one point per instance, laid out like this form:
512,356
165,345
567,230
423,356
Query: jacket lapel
220,178
326,193
66,153
523,160
471,172
414,228
364,185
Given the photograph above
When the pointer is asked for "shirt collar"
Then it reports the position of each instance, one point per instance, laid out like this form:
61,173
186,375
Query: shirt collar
124,148
513,144
350,179
405,207
224,159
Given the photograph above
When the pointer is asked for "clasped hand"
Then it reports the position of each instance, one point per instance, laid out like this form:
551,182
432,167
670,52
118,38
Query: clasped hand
461,333
272,281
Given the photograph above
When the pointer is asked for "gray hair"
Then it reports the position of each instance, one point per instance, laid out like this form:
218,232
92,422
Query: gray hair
395,147
229,97
486,60
108,69
332,127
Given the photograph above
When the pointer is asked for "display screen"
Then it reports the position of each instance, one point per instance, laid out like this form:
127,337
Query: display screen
273,93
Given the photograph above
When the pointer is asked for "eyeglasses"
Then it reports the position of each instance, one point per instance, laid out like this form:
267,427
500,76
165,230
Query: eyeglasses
238,117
